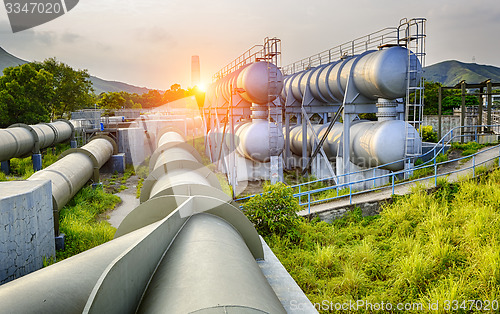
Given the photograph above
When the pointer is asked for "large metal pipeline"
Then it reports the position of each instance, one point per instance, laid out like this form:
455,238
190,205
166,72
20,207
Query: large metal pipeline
75,168
168,254
372,143
20,140
376,74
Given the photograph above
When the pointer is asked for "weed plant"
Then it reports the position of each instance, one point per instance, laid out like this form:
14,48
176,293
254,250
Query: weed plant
79,221
422,248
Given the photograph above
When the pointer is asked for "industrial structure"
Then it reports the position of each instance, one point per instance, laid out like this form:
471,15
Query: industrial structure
187,237
250,100
195,71
183,240
21,140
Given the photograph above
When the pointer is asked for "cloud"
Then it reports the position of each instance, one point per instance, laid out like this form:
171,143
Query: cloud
155,35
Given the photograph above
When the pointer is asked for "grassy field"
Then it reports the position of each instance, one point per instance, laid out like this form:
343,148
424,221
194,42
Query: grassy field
422,249
79,221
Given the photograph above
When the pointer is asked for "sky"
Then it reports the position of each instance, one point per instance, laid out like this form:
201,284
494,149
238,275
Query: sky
150,42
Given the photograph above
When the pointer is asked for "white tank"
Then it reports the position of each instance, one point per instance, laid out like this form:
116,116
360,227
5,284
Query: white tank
257,83
376,74
252,140
372,143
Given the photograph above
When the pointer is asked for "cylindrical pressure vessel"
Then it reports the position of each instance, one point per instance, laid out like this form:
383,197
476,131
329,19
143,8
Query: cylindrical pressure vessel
372,143
258,82
252,140
376,74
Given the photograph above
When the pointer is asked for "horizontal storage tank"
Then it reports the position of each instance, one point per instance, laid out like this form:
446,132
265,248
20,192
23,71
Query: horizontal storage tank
252,140
376,74
372,143
253,82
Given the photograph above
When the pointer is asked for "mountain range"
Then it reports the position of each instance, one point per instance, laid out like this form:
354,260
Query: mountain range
100,85
450,73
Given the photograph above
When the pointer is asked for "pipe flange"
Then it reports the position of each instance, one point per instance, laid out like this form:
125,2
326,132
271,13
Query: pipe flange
95,163
180,164
190,149
36,140
106,137
171,129
73,131
54,129
155,210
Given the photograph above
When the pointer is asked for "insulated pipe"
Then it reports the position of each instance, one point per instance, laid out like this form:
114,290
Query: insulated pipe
205,229
208,253
178,170
376,74
75,168
372,143
20,140
70,173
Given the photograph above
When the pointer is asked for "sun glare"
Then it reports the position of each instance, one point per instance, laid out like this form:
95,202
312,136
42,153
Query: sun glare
202,87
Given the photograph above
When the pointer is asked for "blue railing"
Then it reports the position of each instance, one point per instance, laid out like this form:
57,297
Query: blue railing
393,177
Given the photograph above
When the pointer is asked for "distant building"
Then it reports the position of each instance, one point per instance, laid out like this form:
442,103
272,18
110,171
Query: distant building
495,99
195,71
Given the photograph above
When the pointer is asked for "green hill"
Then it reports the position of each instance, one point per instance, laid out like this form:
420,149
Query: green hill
449,73
8,60
100,85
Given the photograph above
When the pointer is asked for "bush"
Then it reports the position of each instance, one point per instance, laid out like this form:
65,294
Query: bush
422,248
427,133
274,212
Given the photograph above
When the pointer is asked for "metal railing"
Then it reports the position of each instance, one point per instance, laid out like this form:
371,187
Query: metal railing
388,35
394,181
394,177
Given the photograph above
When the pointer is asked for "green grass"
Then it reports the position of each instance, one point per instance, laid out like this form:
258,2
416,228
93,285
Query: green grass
422,248
79,221
22,168
470,148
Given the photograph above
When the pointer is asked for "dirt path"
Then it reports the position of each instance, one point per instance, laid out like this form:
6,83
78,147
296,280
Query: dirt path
128,196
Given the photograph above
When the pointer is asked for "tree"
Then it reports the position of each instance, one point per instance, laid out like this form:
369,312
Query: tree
111,101
72,88
455,101
25,95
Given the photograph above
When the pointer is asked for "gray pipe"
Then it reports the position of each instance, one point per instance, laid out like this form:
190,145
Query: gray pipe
75,168
64,287
200,233
69,174
20,140
209,269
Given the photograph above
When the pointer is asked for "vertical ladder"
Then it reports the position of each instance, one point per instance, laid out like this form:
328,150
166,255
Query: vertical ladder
412,35
272,54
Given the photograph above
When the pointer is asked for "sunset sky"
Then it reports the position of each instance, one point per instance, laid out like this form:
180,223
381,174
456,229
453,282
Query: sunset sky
150,42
